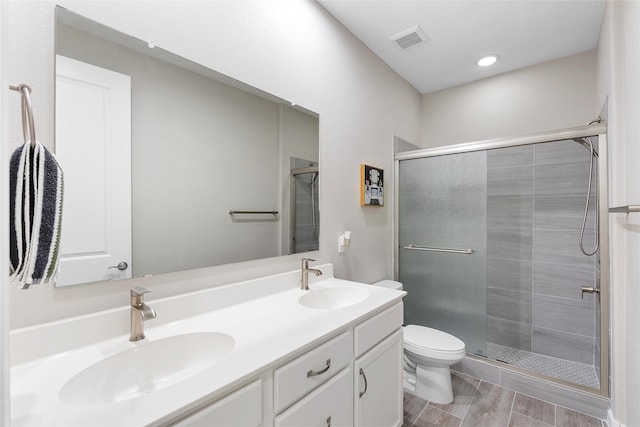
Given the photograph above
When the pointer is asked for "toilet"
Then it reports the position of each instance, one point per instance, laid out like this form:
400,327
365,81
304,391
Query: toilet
428,354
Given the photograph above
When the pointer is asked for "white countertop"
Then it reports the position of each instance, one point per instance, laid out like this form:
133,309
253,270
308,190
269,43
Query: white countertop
267,330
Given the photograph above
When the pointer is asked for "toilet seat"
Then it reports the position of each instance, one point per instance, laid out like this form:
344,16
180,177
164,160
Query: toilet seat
432,343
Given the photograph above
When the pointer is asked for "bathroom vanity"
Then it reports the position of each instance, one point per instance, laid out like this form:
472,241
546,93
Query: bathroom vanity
256,353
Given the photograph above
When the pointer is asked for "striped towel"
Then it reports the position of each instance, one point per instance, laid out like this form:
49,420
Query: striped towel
36,189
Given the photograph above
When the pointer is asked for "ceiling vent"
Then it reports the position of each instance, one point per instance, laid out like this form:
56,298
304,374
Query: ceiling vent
409,38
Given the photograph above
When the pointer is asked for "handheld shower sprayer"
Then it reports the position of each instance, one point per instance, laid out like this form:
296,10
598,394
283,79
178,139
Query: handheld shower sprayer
586,142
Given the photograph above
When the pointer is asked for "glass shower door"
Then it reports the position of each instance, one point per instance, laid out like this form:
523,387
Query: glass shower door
442,236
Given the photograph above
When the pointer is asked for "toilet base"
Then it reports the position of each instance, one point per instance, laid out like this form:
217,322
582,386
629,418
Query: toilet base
432,384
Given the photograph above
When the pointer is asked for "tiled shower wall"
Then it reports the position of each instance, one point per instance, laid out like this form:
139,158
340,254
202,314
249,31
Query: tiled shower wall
307,213
536,197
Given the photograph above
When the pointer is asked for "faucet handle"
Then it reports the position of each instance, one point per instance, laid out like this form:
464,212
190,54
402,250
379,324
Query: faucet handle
137,291
305,261
137,295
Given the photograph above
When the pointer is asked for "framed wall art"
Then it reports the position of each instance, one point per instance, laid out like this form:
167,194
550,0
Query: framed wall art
371,186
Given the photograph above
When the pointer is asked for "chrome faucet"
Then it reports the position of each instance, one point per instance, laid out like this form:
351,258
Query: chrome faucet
304,281
139,313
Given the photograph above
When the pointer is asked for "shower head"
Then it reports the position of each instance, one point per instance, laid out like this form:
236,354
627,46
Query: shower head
586,143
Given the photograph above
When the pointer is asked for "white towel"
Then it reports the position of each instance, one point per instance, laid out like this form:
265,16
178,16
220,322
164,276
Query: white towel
36,193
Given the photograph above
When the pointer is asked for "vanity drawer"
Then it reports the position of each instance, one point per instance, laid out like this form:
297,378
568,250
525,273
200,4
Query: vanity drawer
329,405
301,375
371,332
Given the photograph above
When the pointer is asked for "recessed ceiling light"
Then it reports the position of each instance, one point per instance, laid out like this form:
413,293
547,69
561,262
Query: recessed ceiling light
487,60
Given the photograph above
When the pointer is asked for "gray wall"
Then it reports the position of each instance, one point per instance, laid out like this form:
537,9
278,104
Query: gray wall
536,197
553,95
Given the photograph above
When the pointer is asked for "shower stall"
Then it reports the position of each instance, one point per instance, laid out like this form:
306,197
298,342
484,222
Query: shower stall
503,243
305,213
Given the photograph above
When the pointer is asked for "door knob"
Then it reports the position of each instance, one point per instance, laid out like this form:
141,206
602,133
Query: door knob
122,265
589,290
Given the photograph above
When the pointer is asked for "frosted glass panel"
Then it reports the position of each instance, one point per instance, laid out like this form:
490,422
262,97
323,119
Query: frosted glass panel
443,203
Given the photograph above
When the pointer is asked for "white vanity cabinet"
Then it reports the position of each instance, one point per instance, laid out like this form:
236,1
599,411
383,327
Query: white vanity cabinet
378,385
352,379
377,371
292,363
242,408
367,393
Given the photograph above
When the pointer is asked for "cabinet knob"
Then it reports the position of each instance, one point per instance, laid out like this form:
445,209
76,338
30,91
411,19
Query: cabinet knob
329,421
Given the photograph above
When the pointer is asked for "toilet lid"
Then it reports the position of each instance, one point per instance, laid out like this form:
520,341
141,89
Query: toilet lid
431,339
391,284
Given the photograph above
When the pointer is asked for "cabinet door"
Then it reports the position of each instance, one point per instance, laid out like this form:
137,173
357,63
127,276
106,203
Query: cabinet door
242,408
378,384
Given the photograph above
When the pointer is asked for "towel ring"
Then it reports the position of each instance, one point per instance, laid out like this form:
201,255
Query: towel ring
28,126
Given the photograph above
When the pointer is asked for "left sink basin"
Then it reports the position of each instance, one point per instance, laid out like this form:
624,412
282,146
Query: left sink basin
149,366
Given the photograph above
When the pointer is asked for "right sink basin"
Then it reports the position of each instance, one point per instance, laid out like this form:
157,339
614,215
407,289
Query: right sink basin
331,298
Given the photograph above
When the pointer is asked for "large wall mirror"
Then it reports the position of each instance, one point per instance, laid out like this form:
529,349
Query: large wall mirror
171,166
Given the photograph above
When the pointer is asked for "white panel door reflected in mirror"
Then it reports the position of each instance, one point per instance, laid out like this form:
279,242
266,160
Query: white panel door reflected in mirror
93,146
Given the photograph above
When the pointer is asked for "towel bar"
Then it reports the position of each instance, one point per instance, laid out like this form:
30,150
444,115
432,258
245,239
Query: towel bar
432,249
625,209
28,125
232,212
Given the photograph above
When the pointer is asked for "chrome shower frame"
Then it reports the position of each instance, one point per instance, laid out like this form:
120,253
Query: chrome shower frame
596,129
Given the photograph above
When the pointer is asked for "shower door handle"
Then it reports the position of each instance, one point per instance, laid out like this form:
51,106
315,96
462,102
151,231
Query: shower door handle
589,290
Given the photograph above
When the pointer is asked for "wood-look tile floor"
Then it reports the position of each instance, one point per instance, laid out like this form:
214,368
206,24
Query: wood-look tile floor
480,404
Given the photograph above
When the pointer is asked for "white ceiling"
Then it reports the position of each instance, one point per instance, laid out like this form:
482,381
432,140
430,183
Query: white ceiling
521,32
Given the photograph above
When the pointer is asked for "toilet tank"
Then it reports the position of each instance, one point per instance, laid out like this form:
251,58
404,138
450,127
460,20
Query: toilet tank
391,284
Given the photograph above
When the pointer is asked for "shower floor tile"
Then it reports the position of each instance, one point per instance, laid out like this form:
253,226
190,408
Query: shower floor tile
565,370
